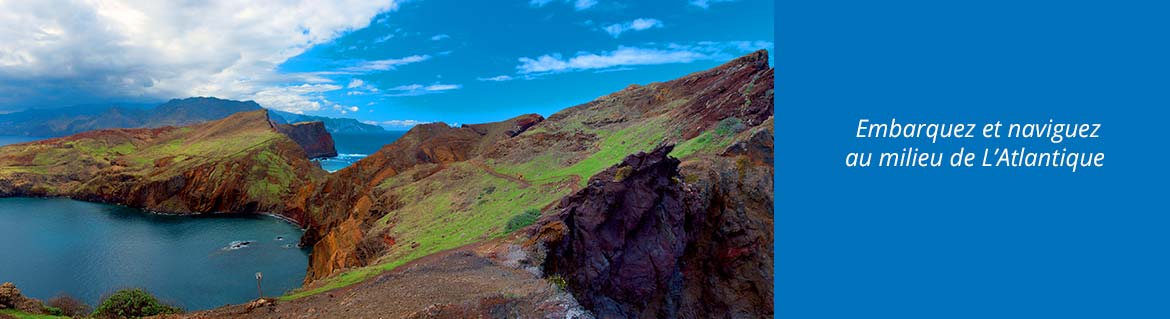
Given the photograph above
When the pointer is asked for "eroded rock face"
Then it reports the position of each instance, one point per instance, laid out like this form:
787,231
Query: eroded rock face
638,241
312,137
625,237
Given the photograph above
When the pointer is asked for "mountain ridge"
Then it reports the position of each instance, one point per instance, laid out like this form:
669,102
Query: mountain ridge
66,121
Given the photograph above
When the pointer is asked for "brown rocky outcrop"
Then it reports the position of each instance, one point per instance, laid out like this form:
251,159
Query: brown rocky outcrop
313,138
640,242
624,237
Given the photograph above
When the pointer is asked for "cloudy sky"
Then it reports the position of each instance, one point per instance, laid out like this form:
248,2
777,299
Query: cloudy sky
395,63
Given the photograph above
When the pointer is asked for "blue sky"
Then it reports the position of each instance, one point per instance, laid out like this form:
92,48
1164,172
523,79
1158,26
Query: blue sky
392,63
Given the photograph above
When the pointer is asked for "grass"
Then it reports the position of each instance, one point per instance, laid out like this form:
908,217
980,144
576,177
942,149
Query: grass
270,176
523,220
710,141
613,148
457,206
462,204
24,315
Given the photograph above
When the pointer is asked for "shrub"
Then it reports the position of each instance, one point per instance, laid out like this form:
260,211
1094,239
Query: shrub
729,126
132,303
67,305
622,173
559,281
523,220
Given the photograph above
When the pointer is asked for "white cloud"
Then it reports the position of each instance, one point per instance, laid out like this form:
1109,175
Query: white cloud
162,49
442,87
584,4
344,109
634,56
707,3
637,25
419,89
438,37
410,87
359,87
577,4
297,99
498,78
384,38
384,65
400,123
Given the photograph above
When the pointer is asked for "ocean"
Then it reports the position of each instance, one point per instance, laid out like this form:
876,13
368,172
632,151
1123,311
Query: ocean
353,147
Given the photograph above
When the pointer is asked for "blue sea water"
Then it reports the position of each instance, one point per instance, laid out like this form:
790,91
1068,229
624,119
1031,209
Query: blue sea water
354,147
88,250
12,139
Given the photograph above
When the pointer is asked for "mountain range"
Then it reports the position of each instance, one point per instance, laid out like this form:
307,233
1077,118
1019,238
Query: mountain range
177,112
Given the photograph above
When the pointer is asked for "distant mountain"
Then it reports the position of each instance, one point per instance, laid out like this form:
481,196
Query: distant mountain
76,119
177,112
333,125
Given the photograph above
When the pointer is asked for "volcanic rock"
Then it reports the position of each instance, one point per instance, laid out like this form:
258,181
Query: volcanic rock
313,138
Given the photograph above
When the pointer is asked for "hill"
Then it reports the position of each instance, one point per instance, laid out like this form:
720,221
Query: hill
442,187
241,163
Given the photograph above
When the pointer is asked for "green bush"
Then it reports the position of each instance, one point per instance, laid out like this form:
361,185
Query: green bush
132,303
729,126
523,220
559,281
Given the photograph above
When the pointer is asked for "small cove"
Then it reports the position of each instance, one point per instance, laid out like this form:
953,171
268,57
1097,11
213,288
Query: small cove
88,250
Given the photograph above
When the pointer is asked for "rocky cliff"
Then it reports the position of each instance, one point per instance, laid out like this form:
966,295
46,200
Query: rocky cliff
313,138
641,241
241,163
619,241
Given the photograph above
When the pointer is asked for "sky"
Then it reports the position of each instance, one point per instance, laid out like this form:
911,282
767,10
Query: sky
392,63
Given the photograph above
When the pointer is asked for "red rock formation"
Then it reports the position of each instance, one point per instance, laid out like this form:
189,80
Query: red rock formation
313,138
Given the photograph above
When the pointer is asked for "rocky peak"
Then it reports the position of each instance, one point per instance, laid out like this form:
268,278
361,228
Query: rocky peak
638,241
619,241
311,136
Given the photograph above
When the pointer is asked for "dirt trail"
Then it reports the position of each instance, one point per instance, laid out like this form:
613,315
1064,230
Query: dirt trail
491,171
470,281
